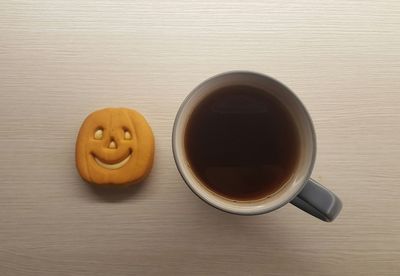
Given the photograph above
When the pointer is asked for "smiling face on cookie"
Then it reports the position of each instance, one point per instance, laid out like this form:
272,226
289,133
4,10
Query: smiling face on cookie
114,146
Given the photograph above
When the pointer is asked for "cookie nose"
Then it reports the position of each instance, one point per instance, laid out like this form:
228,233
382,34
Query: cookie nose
112,145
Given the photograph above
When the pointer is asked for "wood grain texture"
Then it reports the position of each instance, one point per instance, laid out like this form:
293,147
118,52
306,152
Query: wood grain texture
60,60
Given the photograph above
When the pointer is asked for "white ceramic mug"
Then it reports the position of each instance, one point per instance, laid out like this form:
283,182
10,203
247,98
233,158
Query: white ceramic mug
301,190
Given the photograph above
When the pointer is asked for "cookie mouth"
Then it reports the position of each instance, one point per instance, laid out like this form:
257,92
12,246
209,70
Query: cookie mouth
113,165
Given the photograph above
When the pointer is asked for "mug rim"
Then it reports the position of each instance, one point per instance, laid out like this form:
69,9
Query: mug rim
178,160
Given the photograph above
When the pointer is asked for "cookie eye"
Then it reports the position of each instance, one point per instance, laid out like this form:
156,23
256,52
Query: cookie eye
127,135
98,134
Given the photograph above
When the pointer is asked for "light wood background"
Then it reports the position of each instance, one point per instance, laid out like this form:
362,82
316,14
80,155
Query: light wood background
60,60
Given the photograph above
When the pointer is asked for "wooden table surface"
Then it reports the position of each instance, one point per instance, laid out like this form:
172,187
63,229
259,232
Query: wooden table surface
60,60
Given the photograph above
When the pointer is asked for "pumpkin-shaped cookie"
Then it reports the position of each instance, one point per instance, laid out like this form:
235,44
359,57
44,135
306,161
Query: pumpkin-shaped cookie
114,146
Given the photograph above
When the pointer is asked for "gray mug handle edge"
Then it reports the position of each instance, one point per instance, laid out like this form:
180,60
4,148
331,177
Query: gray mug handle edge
318,201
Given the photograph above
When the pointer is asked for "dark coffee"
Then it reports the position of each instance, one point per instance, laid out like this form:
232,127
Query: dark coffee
242,143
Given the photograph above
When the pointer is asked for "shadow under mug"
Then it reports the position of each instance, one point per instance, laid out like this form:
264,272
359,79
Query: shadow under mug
301,190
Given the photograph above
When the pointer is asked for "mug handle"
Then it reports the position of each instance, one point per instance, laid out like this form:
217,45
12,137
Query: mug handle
318,201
